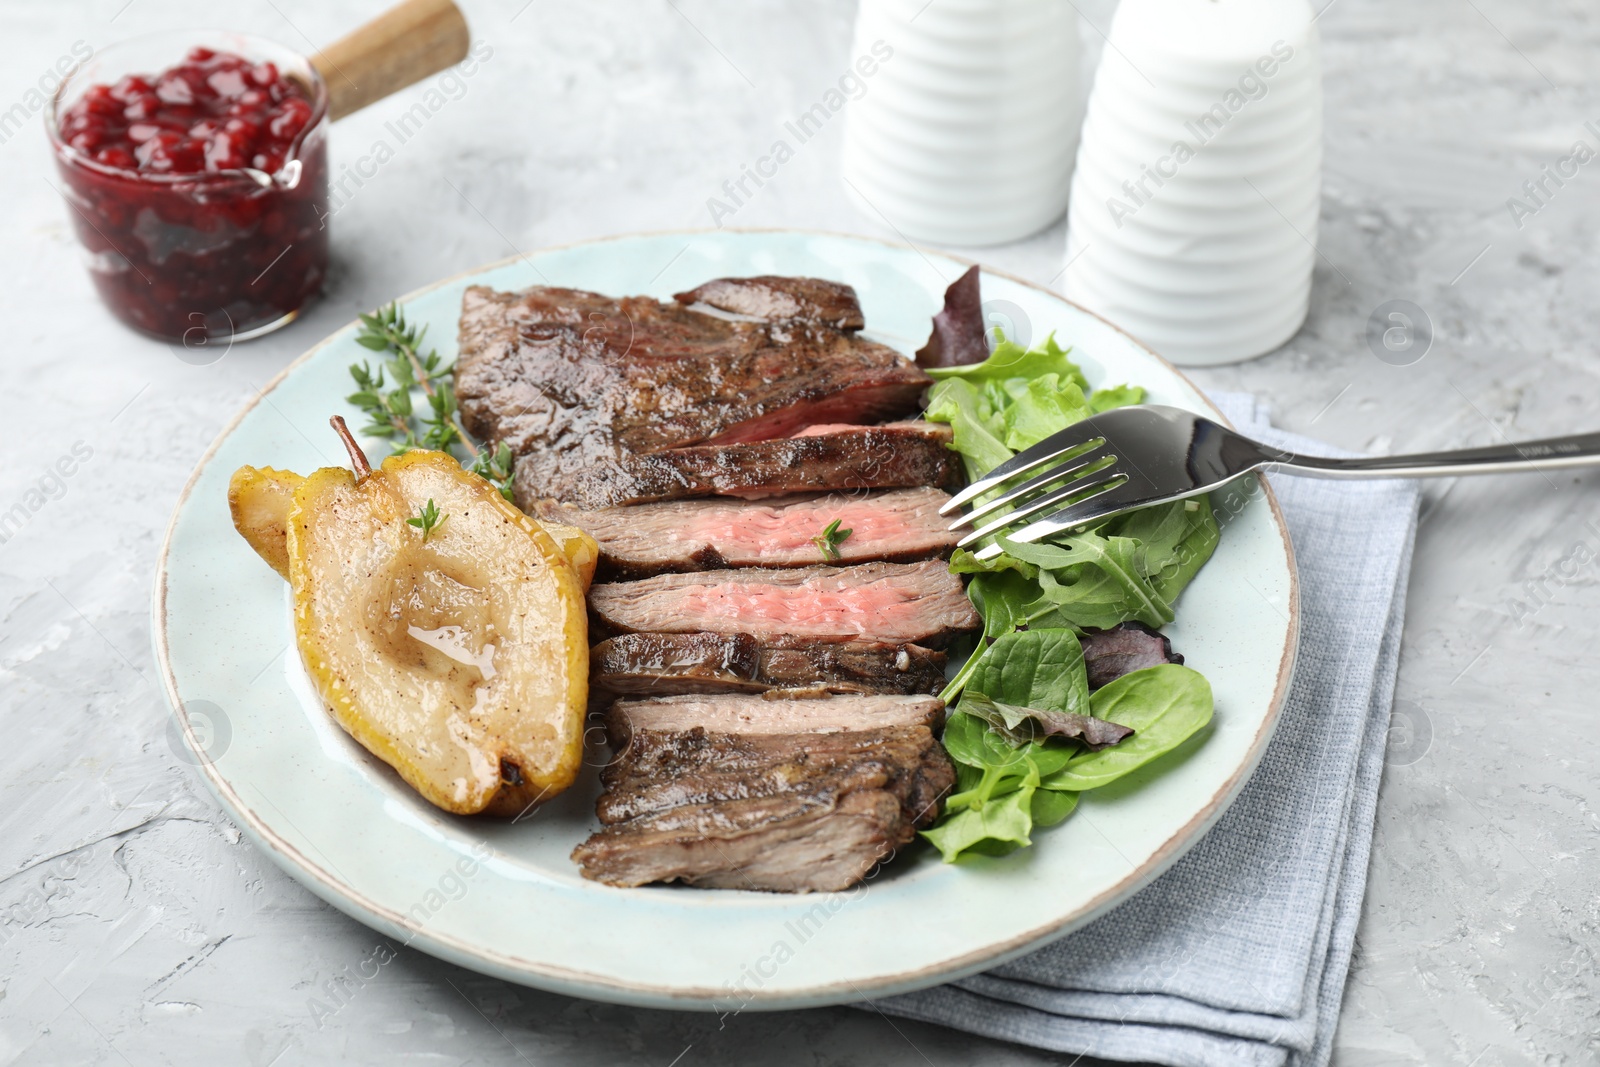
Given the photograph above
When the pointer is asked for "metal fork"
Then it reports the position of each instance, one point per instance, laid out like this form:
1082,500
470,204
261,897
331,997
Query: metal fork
1136,457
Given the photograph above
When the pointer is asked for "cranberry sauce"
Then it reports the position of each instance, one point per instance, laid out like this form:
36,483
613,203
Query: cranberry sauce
200,195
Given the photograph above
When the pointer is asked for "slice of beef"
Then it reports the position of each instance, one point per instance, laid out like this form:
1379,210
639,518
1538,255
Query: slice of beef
921,603
777,812
1132,646
697,535
778,299
889,759
754,715
785,844
895,455
655,665
570,378
653,758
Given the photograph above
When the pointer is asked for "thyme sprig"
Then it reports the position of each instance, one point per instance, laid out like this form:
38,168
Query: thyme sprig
829,539
387,395
428,519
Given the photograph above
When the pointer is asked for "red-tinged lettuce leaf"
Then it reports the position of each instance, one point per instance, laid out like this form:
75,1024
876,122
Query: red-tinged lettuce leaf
1020,725
958,337
1132,646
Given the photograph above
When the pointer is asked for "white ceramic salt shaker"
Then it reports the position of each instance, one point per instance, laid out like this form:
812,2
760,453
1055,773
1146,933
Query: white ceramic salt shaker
1198,181
967,131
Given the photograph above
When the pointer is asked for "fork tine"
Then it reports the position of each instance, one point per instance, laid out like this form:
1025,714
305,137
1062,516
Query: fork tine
1102,505
1077,467
1053,447
1111,480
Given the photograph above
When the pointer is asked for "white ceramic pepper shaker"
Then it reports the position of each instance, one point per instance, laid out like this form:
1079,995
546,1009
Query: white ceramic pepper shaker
966,135
1198,183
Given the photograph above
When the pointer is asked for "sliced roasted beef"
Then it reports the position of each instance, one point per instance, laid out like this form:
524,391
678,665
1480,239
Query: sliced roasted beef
768,765
778,299
1132,646
654,665
919,764
697,535
774,812
570,378
895,455
920,603
753,715
784,844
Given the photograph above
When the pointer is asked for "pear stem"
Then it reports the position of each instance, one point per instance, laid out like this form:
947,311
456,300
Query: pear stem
358,458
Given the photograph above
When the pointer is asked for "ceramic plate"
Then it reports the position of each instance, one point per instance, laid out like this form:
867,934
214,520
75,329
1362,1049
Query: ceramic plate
504,898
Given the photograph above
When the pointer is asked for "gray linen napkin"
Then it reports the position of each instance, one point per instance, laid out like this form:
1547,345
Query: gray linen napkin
1238,954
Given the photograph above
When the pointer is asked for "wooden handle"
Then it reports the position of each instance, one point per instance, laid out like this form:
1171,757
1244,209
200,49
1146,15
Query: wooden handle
398,48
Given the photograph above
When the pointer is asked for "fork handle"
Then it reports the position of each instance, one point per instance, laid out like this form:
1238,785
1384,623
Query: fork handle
1548,453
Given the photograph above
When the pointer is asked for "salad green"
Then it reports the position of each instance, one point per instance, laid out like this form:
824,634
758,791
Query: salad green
1014,770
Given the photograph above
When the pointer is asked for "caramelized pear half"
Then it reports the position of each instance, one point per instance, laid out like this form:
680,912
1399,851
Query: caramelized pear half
457,655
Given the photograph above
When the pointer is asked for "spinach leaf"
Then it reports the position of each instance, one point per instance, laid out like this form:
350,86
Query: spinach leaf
1164,706
968,741
1035,669
1003,600
1050,806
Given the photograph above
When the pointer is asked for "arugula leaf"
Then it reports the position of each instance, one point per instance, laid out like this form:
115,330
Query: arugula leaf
1098,578
1176,540
1164,705
963,561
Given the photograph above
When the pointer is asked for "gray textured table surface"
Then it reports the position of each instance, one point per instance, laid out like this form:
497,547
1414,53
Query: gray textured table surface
136,927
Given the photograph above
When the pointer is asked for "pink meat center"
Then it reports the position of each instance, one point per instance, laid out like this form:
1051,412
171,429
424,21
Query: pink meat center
876,607
776,532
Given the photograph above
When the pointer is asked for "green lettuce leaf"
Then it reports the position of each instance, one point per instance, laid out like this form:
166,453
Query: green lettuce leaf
1117,396
1007,820
978,431
1011,360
